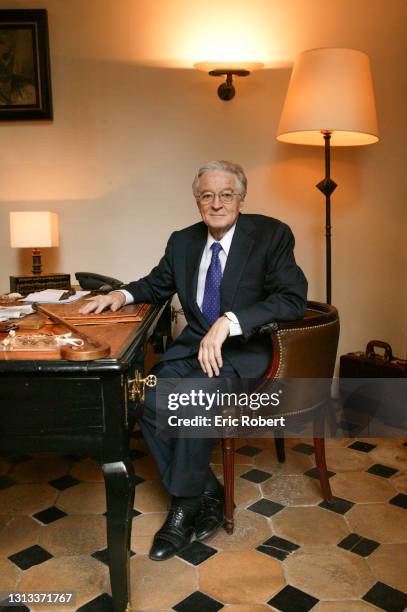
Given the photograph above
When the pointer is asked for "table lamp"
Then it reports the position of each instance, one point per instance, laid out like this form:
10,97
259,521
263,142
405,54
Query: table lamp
330,101
36,230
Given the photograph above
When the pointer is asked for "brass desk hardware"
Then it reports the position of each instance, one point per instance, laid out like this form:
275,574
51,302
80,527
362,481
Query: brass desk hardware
92,349
137,386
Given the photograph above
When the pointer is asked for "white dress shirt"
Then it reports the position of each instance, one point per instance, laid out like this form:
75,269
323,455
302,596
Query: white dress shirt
225,242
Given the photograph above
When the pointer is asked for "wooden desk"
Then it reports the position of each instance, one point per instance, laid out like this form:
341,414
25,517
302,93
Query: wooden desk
51,405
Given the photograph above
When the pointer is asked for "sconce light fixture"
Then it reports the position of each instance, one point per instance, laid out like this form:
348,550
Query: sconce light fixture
226,91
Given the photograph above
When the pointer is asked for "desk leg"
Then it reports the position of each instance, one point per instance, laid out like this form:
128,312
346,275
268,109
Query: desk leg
119,482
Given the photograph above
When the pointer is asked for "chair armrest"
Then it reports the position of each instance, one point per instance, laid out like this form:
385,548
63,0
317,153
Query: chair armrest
305,348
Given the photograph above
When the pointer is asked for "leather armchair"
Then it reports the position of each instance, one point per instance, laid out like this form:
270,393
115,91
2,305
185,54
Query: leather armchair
301,349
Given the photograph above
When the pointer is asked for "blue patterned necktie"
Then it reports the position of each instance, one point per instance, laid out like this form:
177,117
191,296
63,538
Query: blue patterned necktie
211,299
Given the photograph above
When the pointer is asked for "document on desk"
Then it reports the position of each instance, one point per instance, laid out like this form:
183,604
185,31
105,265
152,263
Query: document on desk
53,296
14,312
126,314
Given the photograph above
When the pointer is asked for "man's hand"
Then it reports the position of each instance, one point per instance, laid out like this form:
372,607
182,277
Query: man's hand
97,304
210,356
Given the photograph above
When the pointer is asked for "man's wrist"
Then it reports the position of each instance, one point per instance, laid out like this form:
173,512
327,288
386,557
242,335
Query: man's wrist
121,296
234,325
127,297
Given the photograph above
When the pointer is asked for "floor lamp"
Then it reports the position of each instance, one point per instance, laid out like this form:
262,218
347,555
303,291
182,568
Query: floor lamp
329,102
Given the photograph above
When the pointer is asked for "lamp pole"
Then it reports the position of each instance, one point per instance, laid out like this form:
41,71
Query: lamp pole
327,186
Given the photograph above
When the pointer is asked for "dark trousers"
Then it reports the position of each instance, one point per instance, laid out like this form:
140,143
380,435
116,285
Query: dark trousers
183,462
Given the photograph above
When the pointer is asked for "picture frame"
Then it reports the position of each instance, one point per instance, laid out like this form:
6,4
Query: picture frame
25,74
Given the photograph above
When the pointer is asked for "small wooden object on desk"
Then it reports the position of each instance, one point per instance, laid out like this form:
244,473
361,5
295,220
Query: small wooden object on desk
92,349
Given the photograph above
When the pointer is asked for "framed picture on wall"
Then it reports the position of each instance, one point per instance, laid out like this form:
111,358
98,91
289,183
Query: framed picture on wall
25,76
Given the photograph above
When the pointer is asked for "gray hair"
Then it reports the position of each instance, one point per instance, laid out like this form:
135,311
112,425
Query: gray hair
224,166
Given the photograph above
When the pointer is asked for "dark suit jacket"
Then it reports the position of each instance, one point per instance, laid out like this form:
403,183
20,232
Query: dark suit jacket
261,283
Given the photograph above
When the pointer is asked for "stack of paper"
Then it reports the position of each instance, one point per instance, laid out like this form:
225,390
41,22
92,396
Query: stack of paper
52,296
14,312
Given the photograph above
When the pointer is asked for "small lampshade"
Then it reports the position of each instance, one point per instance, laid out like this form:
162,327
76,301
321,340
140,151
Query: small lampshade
33,229
330,89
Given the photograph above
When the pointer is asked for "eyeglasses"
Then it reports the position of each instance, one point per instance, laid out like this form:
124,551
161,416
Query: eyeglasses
226,197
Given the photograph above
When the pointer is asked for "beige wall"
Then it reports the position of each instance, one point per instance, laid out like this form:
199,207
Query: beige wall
132,121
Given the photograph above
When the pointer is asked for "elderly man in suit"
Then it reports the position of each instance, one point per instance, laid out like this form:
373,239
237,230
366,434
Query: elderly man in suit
233,273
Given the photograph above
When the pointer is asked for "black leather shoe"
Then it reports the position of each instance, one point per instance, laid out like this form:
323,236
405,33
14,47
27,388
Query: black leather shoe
174,535
211,515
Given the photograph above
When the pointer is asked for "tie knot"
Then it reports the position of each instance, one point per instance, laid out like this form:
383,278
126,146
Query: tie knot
216,247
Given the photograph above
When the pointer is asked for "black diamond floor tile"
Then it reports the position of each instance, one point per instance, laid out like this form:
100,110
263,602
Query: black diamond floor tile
350,541
138,479
49,515
281,543
197,552
249,451
103,555
400,500
65,482
266,507
382,470
358,544
290,599
313,473
34,555
6,482
363,447
198,602
365,547
134,513
340,506
256,476
103,603
386,598
136,453
276,553
306,449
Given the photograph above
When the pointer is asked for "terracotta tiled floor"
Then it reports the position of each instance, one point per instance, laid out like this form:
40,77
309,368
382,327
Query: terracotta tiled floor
289,552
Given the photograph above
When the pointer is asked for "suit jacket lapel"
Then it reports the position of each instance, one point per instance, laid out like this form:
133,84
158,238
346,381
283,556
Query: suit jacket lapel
194,252
240,248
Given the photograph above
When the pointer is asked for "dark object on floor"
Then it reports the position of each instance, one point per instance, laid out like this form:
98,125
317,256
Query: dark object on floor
372,396
370,364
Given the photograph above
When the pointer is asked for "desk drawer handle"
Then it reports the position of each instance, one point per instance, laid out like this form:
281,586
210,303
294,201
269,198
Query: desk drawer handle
137,385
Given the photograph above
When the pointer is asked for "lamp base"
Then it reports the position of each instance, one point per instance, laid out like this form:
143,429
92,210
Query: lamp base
29,284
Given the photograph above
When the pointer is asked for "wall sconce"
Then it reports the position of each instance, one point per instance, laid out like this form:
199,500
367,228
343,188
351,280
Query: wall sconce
226,91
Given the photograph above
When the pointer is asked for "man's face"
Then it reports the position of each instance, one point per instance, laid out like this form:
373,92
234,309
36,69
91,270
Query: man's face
218,215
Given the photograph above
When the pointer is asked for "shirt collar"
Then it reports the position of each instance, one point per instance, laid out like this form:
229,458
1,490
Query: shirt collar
225,242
